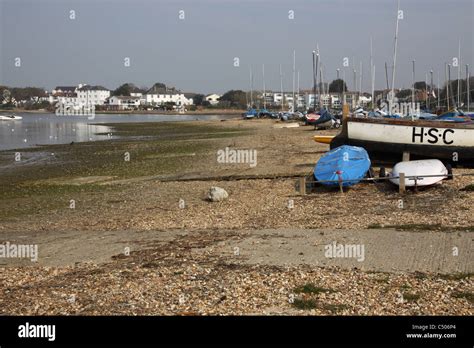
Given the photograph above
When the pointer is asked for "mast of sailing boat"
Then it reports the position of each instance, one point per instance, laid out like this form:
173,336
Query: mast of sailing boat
459,75
318,88
372,73
467,85
298,89
294,78
321,85
447,84
373,87
314,81
264,99
251,88
281,89
360,80
413,91
438,94
395,55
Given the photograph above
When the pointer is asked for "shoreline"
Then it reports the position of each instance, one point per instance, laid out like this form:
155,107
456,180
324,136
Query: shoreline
141,112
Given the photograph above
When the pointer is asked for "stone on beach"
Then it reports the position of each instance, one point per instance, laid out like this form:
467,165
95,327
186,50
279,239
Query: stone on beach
217,194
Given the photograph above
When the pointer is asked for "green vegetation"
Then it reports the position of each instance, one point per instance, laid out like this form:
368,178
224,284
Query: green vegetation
337,85
234,98
155,149
128,88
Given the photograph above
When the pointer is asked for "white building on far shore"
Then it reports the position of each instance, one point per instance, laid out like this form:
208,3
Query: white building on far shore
92,95
124,102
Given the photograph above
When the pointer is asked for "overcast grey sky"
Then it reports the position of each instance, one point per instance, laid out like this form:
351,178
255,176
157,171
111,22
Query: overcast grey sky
196,54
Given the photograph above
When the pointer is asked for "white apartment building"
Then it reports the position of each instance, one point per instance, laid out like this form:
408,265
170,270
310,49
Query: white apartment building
92,95
124,102
158,99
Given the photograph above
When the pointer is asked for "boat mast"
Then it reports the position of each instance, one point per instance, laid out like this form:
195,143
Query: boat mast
459,75
468,90
447,85
264,99
449,79
317,67
355,87
298,95
431,89
314,80
281,89
395,54
321,83
251,88
426,91
372,72
343,89
360,81
413,86
438,93
294,78
373,87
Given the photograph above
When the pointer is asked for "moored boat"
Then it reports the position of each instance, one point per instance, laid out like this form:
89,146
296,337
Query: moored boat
10,118
343,166
451,142
419,173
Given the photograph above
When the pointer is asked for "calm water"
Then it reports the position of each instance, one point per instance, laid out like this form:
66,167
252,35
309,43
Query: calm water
42,129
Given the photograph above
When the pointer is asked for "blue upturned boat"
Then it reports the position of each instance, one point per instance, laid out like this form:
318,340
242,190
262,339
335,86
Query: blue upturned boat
343,163
251,113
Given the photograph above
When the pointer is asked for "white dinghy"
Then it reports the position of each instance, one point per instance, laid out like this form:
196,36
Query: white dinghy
10,118
419,173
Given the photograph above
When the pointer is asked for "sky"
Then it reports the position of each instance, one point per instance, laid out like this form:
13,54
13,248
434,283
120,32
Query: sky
195,50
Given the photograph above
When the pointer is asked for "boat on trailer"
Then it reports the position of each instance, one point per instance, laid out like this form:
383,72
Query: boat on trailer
385,138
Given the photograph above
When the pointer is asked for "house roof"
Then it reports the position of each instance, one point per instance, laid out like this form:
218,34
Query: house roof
124,97
93,88
66,88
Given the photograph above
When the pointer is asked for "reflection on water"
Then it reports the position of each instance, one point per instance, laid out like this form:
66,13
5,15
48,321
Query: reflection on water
42,129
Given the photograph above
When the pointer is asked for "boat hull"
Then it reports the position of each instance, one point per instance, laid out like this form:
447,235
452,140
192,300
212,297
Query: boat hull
425,172
389,139
344,166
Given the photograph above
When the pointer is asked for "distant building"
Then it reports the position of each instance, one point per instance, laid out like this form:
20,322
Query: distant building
124,102
162,95
65,91
213,99
92,95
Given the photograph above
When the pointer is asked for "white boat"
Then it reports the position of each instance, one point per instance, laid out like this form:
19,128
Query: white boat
383,138
10,118
419,173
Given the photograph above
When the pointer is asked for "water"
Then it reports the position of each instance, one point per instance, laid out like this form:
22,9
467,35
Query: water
45,129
